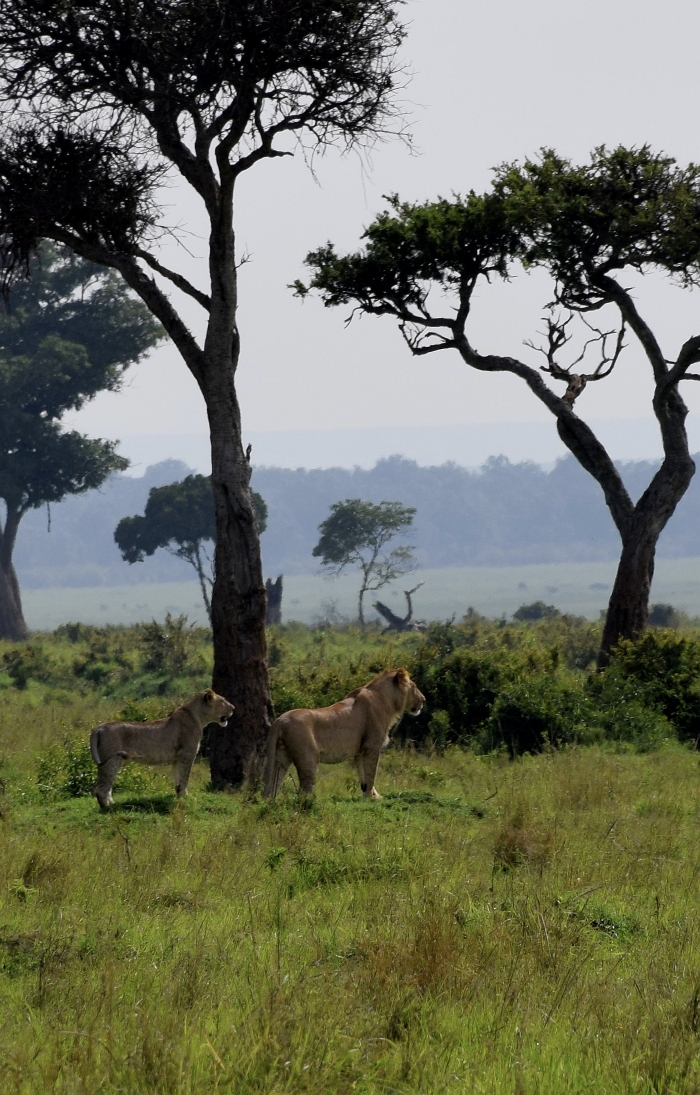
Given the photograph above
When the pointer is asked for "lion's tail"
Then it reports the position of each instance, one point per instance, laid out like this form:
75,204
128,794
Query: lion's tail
94,745
271,766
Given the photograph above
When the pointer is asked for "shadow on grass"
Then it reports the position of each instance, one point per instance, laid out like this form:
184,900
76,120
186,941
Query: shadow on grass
406,800
154,804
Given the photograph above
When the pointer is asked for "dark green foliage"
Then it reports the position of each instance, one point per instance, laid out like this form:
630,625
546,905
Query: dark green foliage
133,664
180,518
170,647
662,615
660,671
489,685
538,610
627,207
355,526
66,334
447,242
23,663
179,513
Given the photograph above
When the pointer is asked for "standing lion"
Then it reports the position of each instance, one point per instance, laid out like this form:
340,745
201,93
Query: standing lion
357,729
174,740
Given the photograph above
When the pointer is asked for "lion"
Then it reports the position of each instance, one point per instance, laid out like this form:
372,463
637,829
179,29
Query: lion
174,740
357,729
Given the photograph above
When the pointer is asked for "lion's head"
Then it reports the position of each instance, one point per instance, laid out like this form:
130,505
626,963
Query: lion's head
217,707
414,698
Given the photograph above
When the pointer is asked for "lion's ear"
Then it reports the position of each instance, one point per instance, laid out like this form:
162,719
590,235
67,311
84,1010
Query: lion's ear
209,695
400,676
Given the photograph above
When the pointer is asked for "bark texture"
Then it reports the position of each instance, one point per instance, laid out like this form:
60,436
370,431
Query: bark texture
238,605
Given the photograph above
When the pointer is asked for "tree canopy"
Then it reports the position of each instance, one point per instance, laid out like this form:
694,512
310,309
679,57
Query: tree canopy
180,518
65,335
627,210
356,533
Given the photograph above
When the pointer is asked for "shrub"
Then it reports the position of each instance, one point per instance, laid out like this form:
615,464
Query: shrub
537,710
538,610
661,672
169,648
26,662
68,771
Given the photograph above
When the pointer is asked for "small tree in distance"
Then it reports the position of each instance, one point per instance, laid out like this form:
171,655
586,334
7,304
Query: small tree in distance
180,518
356,533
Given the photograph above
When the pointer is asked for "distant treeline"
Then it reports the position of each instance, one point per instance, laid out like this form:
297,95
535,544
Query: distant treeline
501,514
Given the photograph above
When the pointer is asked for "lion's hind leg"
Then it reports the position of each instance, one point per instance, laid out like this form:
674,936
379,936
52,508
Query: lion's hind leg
108,771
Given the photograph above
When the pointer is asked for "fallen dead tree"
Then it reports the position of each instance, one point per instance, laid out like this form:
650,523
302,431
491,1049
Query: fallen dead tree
398,623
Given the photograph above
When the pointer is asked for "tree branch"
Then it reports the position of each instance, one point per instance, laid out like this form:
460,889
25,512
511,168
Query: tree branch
574,432
177,279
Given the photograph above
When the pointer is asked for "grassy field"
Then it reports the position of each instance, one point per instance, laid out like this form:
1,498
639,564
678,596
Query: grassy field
525,926
488,926
579,588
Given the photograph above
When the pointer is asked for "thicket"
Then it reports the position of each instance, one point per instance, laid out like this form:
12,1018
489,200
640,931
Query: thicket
522,686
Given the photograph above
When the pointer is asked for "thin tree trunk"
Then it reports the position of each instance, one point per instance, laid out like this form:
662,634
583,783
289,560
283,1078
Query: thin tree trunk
360,607
198,566
273,591
12,623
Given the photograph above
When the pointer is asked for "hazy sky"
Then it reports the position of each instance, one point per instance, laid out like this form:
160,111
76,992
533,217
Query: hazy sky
493,80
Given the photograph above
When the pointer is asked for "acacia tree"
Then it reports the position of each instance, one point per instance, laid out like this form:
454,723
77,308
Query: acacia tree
356,533
627,212
113,94
65,335
180,518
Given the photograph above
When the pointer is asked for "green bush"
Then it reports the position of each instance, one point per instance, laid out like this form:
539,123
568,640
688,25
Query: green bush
26,662
170,648
659,672
68,771
537,710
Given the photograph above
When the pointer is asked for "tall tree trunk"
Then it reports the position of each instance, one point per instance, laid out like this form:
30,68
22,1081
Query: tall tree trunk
12,623
238,602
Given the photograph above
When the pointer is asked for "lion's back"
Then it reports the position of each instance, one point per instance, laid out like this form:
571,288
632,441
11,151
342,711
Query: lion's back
157,742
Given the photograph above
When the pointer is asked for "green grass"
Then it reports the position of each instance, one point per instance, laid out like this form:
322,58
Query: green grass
489,926
579,588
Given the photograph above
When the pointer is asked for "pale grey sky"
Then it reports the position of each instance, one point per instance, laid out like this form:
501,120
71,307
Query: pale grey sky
493,80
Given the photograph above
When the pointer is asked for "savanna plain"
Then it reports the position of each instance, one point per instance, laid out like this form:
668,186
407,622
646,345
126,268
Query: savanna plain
517,914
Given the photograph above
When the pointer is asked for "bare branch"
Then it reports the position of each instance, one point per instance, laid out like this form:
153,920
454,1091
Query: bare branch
177,279
558,336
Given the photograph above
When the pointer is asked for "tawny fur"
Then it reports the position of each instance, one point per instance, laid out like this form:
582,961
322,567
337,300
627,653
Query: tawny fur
357,729
174,740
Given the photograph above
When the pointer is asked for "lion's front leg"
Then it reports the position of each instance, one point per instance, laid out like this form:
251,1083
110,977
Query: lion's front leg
367,765
182,769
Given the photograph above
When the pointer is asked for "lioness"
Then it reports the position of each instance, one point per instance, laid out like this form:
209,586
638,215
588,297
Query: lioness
174,740
357,728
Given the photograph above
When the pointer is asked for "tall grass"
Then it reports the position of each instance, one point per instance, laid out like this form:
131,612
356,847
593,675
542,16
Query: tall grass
488,926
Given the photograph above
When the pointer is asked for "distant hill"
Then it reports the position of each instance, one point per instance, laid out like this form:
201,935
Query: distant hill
502,514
